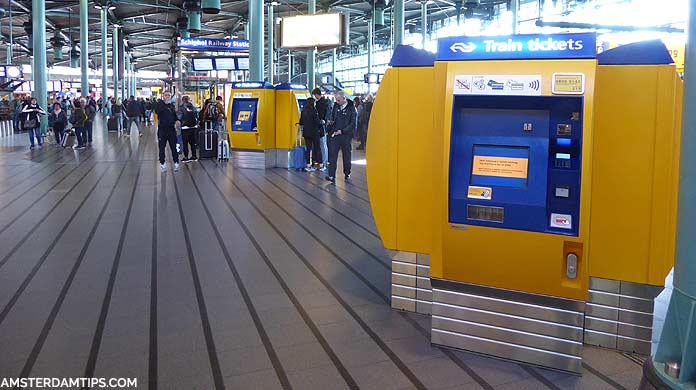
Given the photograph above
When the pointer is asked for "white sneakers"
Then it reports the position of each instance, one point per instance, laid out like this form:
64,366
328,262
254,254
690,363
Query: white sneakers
163,167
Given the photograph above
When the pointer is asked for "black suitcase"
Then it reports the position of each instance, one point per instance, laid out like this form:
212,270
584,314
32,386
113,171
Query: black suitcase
112,124
207,144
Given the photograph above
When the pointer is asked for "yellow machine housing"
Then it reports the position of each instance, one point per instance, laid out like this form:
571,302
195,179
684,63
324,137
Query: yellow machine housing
507,292
261,131
290,99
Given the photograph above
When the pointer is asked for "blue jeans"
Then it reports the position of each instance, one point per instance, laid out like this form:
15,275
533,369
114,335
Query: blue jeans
324,150
88,131
80,135
35,132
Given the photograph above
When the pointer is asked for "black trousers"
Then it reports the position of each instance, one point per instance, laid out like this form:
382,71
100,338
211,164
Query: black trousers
163,138
58,133
188,137
312,150
340,143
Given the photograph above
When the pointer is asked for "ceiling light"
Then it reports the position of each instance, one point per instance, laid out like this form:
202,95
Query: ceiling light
274,3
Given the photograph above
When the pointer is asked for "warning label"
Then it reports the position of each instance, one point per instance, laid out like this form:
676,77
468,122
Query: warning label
500,166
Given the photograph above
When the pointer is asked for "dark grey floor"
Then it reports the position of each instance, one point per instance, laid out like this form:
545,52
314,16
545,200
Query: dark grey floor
213,278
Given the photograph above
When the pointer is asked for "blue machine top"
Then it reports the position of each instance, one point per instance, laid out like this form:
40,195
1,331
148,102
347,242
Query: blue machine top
408,56
652,52
252,85
291,86
517,47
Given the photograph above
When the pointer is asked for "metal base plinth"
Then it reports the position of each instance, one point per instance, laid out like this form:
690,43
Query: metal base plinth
619,315
411,290
254,159
536,329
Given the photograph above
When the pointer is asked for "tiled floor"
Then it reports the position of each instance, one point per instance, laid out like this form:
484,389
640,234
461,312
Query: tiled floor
214,277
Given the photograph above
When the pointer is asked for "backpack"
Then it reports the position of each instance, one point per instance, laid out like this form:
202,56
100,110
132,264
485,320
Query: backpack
189,119
213,113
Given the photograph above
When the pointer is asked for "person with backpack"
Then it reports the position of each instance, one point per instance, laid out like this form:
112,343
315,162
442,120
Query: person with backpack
166,129
188,116
58,121
133,115
214,113
78,120
32,122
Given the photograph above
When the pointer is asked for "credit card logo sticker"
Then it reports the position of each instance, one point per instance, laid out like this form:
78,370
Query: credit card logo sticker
521,85
475,192
562,221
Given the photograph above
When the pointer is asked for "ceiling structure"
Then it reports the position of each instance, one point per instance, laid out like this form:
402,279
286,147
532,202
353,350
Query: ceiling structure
150,25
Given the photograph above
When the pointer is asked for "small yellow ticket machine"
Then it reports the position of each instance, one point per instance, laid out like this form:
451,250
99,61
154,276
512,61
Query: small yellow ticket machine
251,125
290,99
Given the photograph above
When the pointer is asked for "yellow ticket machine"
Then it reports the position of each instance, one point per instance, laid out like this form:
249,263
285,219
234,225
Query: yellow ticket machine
290,99
251,125
543,160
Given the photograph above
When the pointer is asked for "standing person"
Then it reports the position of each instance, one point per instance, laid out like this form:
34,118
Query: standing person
166,129
341,130
312,130
148,111
141,103
32,122
359,108
214,113
364,121
133,114
188,116
322,107
58,121
78,120
90,111
117,112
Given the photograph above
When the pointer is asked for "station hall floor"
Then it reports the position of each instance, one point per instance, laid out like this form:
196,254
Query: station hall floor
215,277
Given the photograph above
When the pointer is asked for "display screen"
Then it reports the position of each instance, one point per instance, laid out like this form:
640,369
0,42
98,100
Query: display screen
301,103
500,166
325,31
243,63
202,64
222,63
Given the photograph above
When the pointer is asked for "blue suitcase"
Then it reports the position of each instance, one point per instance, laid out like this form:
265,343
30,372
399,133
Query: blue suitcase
297,154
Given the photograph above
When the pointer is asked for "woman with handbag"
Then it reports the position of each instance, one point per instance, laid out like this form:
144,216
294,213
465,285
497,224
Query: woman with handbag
32,123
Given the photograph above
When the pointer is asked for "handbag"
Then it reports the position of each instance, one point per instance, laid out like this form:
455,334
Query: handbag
30,124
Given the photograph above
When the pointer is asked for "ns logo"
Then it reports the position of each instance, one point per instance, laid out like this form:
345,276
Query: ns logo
462,47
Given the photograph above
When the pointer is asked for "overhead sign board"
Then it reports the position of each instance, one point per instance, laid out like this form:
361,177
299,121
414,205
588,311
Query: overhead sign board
212,44
318,30
516,47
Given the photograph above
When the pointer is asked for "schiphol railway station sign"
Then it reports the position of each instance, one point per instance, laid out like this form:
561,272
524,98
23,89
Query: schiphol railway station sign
538,46
213,44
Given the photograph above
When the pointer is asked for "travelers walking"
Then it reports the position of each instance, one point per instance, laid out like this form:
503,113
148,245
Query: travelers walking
32,121
133,113
58,121
166,129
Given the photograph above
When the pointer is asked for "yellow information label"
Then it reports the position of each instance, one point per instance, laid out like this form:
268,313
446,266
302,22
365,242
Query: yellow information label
244,116
568,84
480,192
500,166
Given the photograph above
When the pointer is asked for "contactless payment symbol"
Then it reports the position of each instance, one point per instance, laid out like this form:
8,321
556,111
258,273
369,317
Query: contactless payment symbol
535,85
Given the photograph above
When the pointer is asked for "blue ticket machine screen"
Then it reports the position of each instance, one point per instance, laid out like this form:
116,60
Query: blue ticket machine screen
515,162
244,114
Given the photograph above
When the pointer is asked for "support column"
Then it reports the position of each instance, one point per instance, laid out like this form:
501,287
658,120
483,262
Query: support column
333,67
398,22
126,76
271,23
134,79
114,62
84,47
370,32
180,69
289,66
677,346
424,21
38,16
9,47
311,54
256,40
514,7
105,81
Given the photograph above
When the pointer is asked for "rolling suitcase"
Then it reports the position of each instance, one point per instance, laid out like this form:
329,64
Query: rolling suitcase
112,124
223,147
297,158
64,139
207,142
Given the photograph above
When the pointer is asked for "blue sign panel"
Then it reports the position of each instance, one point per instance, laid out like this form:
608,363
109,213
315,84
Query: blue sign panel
213,44
517,47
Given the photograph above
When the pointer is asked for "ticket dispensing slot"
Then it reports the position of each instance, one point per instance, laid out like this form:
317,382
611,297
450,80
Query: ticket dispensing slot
244,114
515,163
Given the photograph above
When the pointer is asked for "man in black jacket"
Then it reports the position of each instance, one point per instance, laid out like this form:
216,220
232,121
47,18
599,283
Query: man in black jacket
166,129
341,129
188,116
133,113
